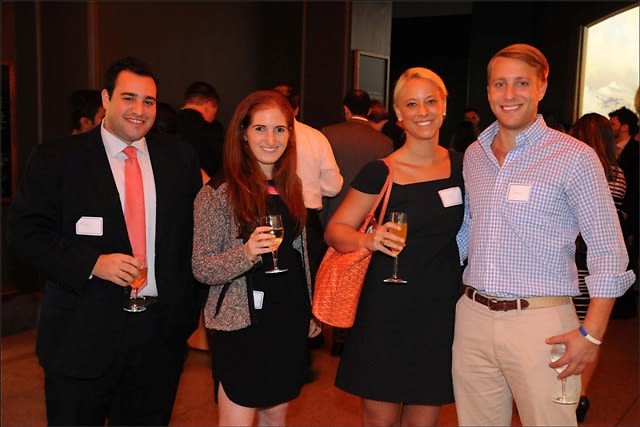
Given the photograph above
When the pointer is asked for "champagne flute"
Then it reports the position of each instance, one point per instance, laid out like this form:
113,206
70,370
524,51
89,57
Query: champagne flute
135,303
557,350
277,229
399,218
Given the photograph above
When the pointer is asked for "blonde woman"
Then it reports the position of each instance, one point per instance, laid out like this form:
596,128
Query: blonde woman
398,354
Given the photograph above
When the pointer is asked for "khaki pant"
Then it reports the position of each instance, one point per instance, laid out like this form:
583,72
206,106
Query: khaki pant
499,356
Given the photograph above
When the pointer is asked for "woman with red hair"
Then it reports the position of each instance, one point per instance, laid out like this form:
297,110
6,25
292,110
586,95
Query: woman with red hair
259,323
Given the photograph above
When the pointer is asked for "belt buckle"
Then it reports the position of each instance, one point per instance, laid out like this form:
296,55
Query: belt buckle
502,305
498,305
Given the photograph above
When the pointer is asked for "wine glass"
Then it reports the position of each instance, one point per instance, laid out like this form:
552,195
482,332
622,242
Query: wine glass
136,303
275,222
557,350
399,218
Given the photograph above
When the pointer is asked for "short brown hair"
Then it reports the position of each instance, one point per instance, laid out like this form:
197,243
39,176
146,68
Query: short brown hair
525,53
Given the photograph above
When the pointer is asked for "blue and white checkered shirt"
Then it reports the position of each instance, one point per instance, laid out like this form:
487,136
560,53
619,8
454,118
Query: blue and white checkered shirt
522,219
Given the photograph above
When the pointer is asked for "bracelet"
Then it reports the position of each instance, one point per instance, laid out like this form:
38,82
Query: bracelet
585,334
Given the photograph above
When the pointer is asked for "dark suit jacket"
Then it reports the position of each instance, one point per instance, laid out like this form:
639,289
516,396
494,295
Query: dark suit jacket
354,144
82,320
206,138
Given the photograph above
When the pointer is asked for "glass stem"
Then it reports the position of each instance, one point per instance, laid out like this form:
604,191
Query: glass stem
395,267
274,254
134,293
564,393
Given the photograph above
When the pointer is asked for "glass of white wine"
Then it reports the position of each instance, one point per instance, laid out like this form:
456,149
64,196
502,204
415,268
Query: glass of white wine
277,229
399,218
557,350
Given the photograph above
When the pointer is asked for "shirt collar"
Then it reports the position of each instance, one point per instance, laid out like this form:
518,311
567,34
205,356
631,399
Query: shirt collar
114,145
362,119
531,135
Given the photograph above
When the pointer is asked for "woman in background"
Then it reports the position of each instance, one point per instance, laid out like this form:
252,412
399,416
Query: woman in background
595,130
259,322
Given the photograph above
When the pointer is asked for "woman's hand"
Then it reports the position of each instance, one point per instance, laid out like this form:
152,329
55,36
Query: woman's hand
314,328
259,243
383,240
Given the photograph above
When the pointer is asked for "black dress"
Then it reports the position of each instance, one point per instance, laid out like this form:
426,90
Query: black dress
399,349
265,364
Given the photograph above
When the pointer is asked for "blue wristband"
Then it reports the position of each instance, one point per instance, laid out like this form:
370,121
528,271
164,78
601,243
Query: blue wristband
585,334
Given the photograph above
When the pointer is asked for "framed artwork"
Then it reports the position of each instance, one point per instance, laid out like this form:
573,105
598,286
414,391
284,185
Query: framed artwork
7,123
371,74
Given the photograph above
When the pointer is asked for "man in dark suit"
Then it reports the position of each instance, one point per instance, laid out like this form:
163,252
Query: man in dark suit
354,143
198,126
67,222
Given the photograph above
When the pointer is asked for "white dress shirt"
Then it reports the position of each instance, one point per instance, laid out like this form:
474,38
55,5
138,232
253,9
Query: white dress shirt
317,167
114,146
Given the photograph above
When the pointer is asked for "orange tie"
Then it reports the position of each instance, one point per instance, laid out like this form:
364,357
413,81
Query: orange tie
134,204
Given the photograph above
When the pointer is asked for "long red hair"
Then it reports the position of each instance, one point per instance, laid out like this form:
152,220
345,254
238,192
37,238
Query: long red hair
246,183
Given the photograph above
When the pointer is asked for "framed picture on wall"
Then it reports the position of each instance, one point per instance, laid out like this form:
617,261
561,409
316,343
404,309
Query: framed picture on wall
7,124
371,74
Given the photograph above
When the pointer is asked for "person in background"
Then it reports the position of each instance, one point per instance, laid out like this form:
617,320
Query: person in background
625,128
530,190
463,137
472,116
166,119
197,125
71,220
318,172
397,357
259,322
86,110
354,143
596,131
377,116
320,177
394,130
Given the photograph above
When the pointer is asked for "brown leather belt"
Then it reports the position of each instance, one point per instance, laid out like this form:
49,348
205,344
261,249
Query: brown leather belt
502,304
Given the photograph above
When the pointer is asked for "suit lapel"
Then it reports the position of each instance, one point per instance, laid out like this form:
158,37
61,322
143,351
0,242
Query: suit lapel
101,177
160,163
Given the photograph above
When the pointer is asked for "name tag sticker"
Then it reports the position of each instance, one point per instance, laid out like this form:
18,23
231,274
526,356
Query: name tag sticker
89,226
519,192
258,297
451,196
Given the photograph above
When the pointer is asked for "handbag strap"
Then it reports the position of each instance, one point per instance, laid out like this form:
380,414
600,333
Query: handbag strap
385,192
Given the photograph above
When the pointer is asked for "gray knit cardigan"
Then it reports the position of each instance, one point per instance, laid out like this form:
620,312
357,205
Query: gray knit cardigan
218,258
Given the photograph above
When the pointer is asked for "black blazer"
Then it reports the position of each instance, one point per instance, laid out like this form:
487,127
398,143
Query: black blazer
81,320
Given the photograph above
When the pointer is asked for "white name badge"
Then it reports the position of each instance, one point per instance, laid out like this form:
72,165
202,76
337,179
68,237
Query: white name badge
451,196
89,226
519,192
258,297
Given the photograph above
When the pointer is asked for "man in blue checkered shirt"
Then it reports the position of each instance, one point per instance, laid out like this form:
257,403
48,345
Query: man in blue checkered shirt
529,191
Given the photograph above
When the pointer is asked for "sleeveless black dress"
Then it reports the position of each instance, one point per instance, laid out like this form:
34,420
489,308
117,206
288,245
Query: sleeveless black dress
265,364
399,349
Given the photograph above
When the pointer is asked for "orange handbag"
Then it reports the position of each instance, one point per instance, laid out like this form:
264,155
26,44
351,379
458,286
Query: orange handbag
340,275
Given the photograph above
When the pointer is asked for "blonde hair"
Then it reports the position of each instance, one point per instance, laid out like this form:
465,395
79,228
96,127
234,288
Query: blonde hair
419,73
527,54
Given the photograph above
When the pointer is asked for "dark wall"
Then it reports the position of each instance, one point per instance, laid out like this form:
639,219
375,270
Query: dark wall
64,63
325,64
413,45
239,47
